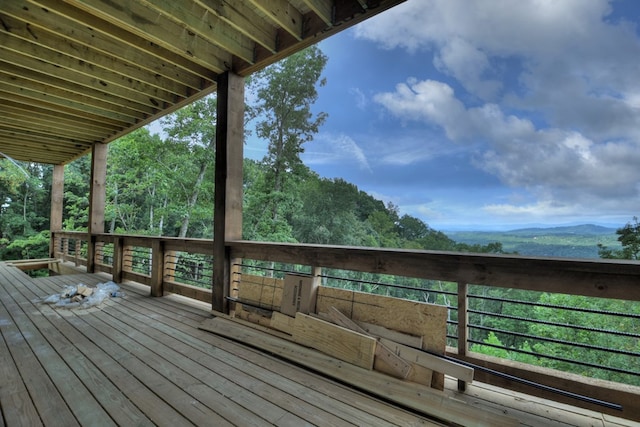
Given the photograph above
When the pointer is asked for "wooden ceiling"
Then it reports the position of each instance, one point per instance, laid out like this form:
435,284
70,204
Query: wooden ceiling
74,73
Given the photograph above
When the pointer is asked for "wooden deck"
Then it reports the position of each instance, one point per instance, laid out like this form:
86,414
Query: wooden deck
139,360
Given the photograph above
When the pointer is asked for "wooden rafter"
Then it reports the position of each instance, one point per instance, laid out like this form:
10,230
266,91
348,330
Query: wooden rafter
74,73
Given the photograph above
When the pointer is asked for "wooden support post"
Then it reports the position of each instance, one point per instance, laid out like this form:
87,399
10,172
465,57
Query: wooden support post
118,259
463,329
157,268
97,199
228,183
57,198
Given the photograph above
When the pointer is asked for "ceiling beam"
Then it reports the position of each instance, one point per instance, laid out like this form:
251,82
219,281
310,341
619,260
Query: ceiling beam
26,55
47,74
206,25
151,25
39,94
53,48
42,87
322,8
111,40
240,16
283,14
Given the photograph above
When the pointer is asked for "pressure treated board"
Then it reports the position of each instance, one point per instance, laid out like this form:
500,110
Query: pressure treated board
430,361
399,337
343,344
421,375
282,322
385,360
414,396
250,316
410,317
265,292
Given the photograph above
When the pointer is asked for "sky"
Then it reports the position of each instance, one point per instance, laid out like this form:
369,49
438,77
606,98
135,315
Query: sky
487,115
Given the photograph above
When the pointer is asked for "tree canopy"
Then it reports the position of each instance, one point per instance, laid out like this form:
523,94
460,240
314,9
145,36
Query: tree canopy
629,238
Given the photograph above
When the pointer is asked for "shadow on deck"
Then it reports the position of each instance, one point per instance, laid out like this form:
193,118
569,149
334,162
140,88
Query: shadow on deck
143,361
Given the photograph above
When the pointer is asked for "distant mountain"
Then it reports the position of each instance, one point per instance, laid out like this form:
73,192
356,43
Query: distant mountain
579,230
579,241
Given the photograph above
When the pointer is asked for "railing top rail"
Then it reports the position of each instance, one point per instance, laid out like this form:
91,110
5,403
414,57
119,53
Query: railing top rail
597,278
616,279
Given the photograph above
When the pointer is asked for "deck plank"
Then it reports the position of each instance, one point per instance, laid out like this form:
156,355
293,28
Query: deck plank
344,401
180,370
65,376
137,363
142,361
15,403
46,398
264,400
272,386
94,369
163,331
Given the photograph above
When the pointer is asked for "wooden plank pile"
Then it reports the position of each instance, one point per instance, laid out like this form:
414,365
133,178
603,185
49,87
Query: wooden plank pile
380,344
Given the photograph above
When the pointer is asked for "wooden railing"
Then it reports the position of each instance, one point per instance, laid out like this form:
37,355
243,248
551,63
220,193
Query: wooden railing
615,279
152,261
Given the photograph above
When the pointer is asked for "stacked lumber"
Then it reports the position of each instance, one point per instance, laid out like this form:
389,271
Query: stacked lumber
418,397
366,318
396,341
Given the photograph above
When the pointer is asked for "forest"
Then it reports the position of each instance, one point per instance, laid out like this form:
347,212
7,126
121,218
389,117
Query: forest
162,185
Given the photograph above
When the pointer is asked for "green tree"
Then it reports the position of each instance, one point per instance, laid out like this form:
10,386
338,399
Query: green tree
629,237
25,190
285,92
137,184
76,194
384,225
192,130
328,214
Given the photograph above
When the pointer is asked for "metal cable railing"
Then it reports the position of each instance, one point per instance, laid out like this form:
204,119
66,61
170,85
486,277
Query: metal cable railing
190,269
582,345
609,361
589,336
138,260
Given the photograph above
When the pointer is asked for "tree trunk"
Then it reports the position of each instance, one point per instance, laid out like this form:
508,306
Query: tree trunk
192,201
112,225
161,222
24,209
152,193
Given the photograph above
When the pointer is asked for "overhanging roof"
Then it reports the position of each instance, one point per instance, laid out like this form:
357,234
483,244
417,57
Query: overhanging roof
78,72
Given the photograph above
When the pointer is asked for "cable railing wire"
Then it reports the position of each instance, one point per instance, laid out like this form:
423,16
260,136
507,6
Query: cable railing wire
556,358
556,341
549,323
561,307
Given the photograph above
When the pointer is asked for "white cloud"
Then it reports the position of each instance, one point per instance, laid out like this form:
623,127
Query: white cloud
360,98
467,63
565,163
336,149
496,26
425,100
549,87
571,61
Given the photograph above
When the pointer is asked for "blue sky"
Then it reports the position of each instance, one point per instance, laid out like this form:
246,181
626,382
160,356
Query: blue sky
487,114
